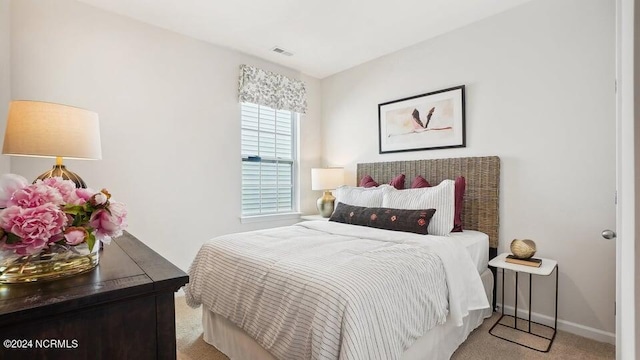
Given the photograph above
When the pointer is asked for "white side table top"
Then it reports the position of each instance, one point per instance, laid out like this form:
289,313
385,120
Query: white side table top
314,217
545,269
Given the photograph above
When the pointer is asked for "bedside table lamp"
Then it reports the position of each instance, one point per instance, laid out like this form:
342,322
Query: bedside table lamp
326,179
43,129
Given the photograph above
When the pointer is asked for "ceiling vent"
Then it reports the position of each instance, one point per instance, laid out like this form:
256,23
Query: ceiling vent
282,51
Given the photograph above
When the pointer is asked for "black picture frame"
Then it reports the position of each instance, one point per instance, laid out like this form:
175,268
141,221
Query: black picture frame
430,121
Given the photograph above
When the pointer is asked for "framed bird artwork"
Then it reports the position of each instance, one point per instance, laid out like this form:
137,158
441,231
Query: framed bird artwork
434,120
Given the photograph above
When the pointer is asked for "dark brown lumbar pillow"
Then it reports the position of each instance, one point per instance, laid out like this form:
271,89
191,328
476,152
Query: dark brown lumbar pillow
414,221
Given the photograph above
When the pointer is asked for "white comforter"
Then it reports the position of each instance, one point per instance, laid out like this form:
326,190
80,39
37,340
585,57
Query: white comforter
325,290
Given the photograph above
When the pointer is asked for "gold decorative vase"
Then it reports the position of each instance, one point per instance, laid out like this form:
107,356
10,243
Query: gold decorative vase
523,249
55,262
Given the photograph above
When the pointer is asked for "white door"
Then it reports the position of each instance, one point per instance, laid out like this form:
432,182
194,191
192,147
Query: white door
625,178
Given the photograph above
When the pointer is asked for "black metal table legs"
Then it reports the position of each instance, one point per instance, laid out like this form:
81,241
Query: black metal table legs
529,322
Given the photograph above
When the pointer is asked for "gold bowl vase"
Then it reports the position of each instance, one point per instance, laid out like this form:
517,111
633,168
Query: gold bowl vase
56,262
523,249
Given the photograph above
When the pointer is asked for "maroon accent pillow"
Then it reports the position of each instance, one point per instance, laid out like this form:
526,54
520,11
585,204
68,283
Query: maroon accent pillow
367,181
460,186
414,221
419,182
398,182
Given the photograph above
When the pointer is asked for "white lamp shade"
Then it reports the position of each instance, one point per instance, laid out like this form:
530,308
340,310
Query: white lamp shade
326,179
44,129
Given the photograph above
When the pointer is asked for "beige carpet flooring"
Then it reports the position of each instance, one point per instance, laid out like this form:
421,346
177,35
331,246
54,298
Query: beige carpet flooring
480,345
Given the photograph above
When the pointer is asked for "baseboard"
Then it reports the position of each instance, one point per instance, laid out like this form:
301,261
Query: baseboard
568,326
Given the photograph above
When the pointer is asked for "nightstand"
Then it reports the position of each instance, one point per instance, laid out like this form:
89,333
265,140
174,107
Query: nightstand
313,217
546,268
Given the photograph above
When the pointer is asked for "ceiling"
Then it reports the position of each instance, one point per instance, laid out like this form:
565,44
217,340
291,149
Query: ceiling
325,36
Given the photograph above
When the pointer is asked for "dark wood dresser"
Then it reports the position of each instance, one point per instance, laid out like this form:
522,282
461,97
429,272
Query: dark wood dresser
122,309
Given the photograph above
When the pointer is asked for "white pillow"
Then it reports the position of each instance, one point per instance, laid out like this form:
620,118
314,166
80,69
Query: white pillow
439,197
360,196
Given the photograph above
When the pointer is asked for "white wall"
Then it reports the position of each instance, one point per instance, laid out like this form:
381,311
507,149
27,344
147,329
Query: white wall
169,118
5,73
540,94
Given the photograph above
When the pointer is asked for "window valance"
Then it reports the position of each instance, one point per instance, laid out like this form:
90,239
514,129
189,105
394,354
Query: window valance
270,89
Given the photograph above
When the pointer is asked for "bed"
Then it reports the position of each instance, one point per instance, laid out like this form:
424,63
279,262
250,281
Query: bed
311,291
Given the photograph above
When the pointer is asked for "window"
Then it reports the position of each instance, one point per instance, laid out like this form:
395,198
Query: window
268,160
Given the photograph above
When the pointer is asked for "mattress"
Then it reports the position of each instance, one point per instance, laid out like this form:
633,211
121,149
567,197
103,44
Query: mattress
438,343
330,286
477,244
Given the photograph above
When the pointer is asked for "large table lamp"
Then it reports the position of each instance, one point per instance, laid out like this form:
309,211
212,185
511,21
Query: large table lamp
326,179
43,129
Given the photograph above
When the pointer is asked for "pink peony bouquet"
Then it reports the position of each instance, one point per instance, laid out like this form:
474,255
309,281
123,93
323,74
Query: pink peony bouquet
39,215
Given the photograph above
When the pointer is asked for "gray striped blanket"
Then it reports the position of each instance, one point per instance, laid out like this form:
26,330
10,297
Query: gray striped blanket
323,290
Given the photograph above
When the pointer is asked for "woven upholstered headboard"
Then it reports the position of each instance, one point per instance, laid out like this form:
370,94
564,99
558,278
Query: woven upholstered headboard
482,176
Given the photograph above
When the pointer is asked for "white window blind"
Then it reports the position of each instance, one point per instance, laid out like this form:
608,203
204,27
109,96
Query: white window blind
268,159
